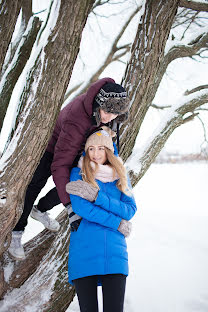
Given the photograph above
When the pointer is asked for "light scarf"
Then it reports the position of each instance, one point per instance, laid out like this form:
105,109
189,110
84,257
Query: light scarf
105,173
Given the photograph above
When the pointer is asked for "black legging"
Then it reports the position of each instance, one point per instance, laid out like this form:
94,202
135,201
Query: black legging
113,289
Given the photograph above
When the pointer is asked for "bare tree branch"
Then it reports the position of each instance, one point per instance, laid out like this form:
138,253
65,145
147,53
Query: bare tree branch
188,50
110,57
196,6
99,3
196,89
176,52
160,107
103,2
204,129
175,117
72,90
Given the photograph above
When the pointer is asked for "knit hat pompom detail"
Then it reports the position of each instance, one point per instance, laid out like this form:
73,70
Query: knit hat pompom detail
101,137
112,98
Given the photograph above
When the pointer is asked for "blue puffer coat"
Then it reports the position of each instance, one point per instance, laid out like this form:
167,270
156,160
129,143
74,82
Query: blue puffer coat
98,248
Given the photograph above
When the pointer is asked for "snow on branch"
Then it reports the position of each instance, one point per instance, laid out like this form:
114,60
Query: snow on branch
141,158
193,5
14,70
196,89
178,48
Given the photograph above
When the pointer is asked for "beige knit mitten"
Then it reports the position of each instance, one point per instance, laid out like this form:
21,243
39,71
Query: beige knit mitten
125,227
82,189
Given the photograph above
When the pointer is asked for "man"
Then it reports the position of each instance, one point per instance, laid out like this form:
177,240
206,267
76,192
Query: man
103,102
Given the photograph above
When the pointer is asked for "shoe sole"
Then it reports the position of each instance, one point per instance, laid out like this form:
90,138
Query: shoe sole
44,225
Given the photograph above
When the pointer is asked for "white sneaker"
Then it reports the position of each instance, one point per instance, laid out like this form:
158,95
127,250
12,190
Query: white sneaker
44,218
16,249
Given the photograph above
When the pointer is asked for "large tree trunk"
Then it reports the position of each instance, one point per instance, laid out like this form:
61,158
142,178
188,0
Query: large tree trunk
51,65
9,79
9,11
141,72
41,279
145,70
40,103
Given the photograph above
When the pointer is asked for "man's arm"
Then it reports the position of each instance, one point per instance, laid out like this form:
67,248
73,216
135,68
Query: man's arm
67,147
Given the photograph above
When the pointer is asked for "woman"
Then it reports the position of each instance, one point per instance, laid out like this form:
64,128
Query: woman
98,253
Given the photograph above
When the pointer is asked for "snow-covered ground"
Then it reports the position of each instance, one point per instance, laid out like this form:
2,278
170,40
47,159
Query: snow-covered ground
168,248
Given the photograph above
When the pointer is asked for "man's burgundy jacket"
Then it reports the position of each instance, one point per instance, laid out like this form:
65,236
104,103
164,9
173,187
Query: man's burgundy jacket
69,136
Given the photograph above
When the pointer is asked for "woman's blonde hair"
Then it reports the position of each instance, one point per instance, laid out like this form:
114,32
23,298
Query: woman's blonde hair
88,173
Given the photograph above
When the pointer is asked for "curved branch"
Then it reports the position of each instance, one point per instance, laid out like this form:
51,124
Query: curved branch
139,162
160,107
111,55
196,89
188,50
196,6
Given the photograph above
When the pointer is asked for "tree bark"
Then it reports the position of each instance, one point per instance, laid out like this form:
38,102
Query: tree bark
43,272
26,11
109,58
193,5
146,55
22,55
40,103
9,13
175,118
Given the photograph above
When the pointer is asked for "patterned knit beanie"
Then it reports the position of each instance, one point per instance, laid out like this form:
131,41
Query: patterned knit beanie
101,137
112,98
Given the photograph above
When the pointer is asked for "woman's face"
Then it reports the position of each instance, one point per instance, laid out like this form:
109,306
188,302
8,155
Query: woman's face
97,154
106,117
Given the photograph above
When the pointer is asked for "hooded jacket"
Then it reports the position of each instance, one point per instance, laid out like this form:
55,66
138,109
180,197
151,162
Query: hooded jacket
98,248
73,125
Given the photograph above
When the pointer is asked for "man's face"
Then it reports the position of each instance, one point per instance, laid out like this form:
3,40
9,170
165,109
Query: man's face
106,117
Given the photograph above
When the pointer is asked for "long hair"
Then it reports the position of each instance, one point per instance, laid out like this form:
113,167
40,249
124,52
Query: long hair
88,173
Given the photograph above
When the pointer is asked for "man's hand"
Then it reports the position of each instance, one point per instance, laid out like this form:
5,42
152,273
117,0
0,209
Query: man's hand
74,219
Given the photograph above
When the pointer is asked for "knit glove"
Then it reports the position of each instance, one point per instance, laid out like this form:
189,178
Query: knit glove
125,227
82,189
74,219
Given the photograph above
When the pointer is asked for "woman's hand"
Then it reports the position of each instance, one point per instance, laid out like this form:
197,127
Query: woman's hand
82,189
125,227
